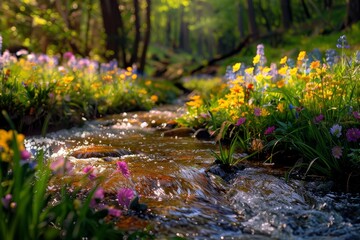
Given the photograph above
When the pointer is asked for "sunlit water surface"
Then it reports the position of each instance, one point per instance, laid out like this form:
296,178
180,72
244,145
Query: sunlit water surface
184,200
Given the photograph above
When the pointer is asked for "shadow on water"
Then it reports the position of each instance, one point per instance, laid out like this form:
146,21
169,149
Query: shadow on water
185,200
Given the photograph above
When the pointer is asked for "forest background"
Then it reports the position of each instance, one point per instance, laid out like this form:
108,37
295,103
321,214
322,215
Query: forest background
173,38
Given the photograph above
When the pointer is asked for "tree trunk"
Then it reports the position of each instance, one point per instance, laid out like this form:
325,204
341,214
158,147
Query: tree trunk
352,12
306,9
184,33
328,4
241,25
112,24
135,50
286,13
252,20
267,20
147,37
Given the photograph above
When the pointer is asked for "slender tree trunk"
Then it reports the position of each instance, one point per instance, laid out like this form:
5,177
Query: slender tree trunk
267,20
328,4
184,33
241,24
353,12
111,14
306,9
168,30
252,19
135,50
286,13
146,37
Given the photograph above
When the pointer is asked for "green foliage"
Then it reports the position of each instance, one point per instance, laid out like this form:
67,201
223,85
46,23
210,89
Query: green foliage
308,110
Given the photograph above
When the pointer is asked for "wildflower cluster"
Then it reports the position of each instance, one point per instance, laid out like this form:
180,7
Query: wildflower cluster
31,209
39,90
308,103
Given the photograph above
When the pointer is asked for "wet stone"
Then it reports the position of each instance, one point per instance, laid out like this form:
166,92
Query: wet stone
99,152
179,132
203,134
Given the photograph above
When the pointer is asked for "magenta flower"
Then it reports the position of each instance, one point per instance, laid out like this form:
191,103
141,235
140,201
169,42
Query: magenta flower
99,193
6,200
356,115
257,112
319,118
61,166
97,197
114,212
336,152
335,130
353,134
125,195
269,130
123,168
25,155
90,171
240,121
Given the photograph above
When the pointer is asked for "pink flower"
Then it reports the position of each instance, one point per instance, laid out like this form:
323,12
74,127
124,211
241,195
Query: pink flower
25,155
97,197
90,171
6,200
114,212
257,112
123,168
353,134
125,195
61,166
319,118
336,152
269,130
356,115
240,121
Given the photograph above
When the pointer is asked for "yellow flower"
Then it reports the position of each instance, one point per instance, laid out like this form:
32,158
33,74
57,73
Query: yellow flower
293,71
236,67
283,70
315,64
142,91
6,138
264,112
280,107
195,101
280,83
148,83
256,59
283,60
68,79
301,56
154,98
249,71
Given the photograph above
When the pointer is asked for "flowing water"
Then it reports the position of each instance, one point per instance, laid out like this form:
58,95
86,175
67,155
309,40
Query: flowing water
186,200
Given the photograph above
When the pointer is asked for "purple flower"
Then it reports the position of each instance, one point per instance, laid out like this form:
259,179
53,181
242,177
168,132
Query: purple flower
97,197
356,115
25,155
125,195
240,121
319,118
336,152
6,200
269,130
90,171
353,134
123,168
335,130
61,166
257,111
342,42
99,193
114,212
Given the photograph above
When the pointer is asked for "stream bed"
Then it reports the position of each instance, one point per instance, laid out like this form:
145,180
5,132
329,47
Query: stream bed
184,199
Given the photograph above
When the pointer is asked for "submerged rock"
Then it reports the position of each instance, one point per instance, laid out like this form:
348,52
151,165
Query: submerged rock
179,132
99,152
